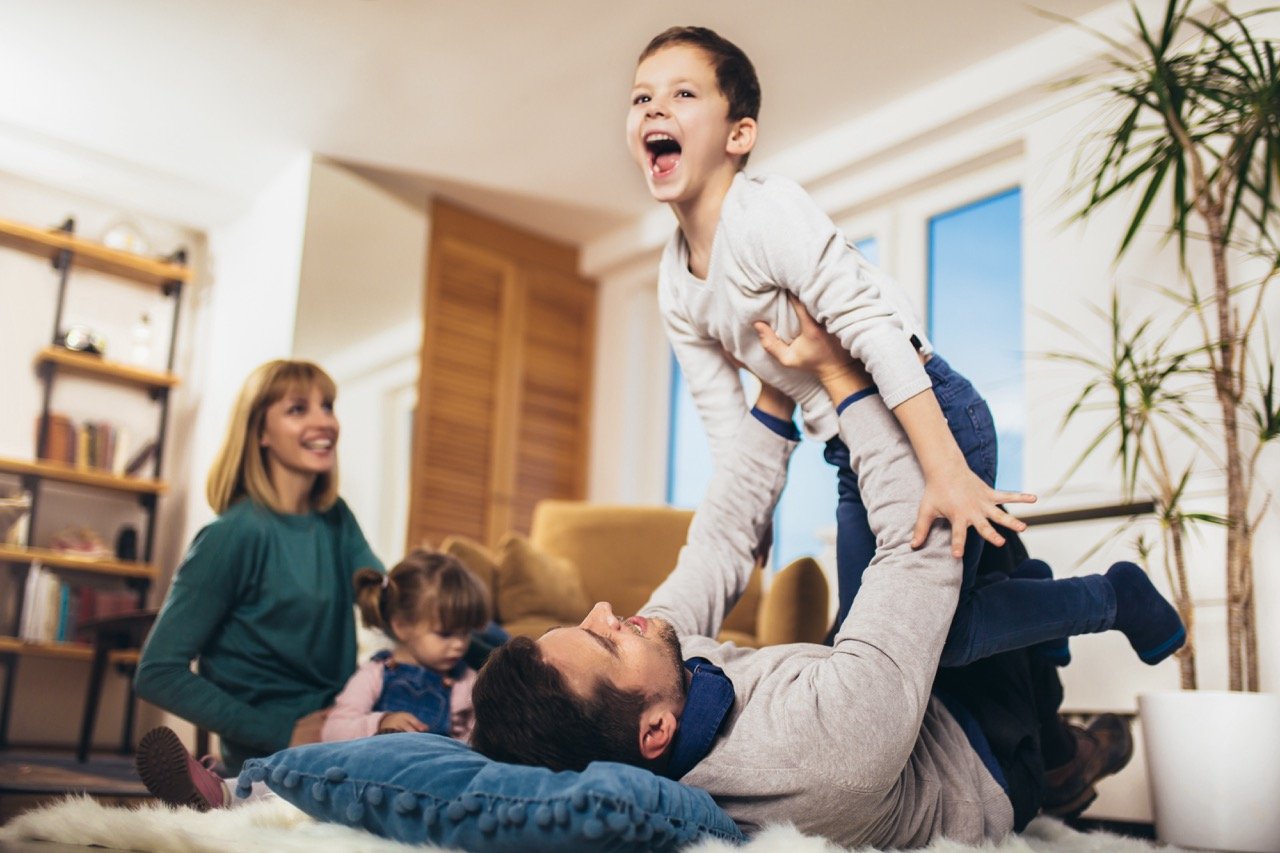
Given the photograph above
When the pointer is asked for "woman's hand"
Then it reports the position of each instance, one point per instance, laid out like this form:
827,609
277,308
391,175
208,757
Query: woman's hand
400,721
307,729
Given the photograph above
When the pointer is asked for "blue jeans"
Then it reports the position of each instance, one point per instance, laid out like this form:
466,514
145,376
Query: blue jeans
991,617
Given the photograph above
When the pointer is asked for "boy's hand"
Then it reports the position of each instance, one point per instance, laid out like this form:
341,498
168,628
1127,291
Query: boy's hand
400,721
961,497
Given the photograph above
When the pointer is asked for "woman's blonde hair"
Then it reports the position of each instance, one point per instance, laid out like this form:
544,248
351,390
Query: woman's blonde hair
240,467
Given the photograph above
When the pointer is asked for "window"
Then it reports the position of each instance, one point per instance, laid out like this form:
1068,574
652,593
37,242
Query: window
689,451
975,311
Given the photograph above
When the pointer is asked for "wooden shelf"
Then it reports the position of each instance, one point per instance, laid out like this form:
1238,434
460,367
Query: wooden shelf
64,473
92,365
62,560
62,651
91,255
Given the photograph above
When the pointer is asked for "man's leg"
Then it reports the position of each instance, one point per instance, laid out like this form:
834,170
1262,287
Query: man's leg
1003,696
1015,698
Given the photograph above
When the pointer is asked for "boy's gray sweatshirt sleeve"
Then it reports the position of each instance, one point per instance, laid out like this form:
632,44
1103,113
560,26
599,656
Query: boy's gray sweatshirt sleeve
716,562
712,381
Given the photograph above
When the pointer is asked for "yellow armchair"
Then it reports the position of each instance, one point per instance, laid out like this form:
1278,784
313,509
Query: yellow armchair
578,553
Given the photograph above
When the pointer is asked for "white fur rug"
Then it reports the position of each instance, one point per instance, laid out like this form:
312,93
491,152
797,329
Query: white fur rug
273,826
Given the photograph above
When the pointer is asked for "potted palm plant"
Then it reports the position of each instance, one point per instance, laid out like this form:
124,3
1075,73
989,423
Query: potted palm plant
1195,103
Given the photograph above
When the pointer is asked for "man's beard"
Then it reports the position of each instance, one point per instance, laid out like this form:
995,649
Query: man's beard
666,635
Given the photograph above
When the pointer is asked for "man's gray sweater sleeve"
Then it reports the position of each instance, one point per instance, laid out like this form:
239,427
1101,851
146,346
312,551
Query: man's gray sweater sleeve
892,638
716,562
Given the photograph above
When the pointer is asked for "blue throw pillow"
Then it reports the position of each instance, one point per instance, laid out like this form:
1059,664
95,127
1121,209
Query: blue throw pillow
427,788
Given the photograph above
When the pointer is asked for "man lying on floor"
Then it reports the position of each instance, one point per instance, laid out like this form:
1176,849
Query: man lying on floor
863,742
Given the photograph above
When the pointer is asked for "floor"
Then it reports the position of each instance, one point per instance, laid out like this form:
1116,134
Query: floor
33,777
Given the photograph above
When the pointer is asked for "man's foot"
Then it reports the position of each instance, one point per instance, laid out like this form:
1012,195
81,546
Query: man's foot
1102,749
1058,652
174,776
1151,624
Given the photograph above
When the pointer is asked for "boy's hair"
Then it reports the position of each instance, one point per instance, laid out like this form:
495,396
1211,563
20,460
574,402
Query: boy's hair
526,714
240,468
426,586
735,75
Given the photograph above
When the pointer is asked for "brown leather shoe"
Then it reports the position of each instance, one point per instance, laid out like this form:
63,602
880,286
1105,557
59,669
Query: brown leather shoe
1102,749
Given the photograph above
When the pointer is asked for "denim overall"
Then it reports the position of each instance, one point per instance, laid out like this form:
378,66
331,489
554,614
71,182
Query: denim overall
419,691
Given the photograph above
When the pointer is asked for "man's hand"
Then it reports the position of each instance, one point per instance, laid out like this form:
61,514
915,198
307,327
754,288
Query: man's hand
963,499
818,352
307,729
400,721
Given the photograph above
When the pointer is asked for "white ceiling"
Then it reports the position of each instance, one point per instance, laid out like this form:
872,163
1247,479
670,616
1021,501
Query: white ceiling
512,106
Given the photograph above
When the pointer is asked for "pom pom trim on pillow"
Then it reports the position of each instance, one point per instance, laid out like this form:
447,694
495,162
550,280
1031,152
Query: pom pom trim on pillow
420,788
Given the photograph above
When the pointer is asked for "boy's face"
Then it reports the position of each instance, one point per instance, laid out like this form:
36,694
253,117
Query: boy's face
678,128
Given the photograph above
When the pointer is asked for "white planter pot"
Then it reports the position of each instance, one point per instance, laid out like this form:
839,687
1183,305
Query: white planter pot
1213,759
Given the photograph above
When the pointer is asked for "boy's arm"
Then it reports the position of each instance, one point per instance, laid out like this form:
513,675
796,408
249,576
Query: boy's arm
712,380
849,298
951,489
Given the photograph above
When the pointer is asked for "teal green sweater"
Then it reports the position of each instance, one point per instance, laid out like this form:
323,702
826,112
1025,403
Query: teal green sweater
264,601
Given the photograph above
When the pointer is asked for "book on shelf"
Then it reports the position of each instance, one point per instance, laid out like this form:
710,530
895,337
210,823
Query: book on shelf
90,603
59,441
93,445
56,610
40,605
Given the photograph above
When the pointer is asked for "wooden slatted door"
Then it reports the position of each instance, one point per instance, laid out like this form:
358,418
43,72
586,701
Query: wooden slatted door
558,340
504,391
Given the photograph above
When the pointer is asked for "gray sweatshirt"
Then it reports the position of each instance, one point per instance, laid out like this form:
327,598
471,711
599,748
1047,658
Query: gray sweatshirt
773,240
843,741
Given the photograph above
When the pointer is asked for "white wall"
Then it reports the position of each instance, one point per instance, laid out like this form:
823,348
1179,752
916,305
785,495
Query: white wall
247,318
995,126
364,243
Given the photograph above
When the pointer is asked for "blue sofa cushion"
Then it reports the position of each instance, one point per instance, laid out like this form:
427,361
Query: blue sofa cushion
420,788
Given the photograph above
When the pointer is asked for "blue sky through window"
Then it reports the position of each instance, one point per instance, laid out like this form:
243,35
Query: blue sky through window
975,312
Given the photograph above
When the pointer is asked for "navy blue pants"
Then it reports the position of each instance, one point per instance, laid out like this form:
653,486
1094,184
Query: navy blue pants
991,617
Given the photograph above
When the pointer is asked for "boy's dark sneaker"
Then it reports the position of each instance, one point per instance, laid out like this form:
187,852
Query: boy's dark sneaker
1102,749
174,775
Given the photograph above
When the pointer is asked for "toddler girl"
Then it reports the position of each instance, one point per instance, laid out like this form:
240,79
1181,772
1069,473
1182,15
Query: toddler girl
428,604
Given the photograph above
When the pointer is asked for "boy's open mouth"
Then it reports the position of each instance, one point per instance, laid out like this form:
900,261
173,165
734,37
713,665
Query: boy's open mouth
664,154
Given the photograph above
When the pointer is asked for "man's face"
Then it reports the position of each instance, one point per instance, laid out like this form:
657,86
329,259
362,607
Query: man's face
634,654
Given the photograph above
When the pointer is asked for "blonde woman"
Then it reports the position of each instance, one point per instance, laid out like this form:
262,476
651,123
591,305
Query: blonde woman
263,599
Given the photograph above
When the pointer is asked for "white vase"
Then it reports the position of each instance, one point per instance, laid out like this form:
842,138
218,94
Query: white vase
1213,758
